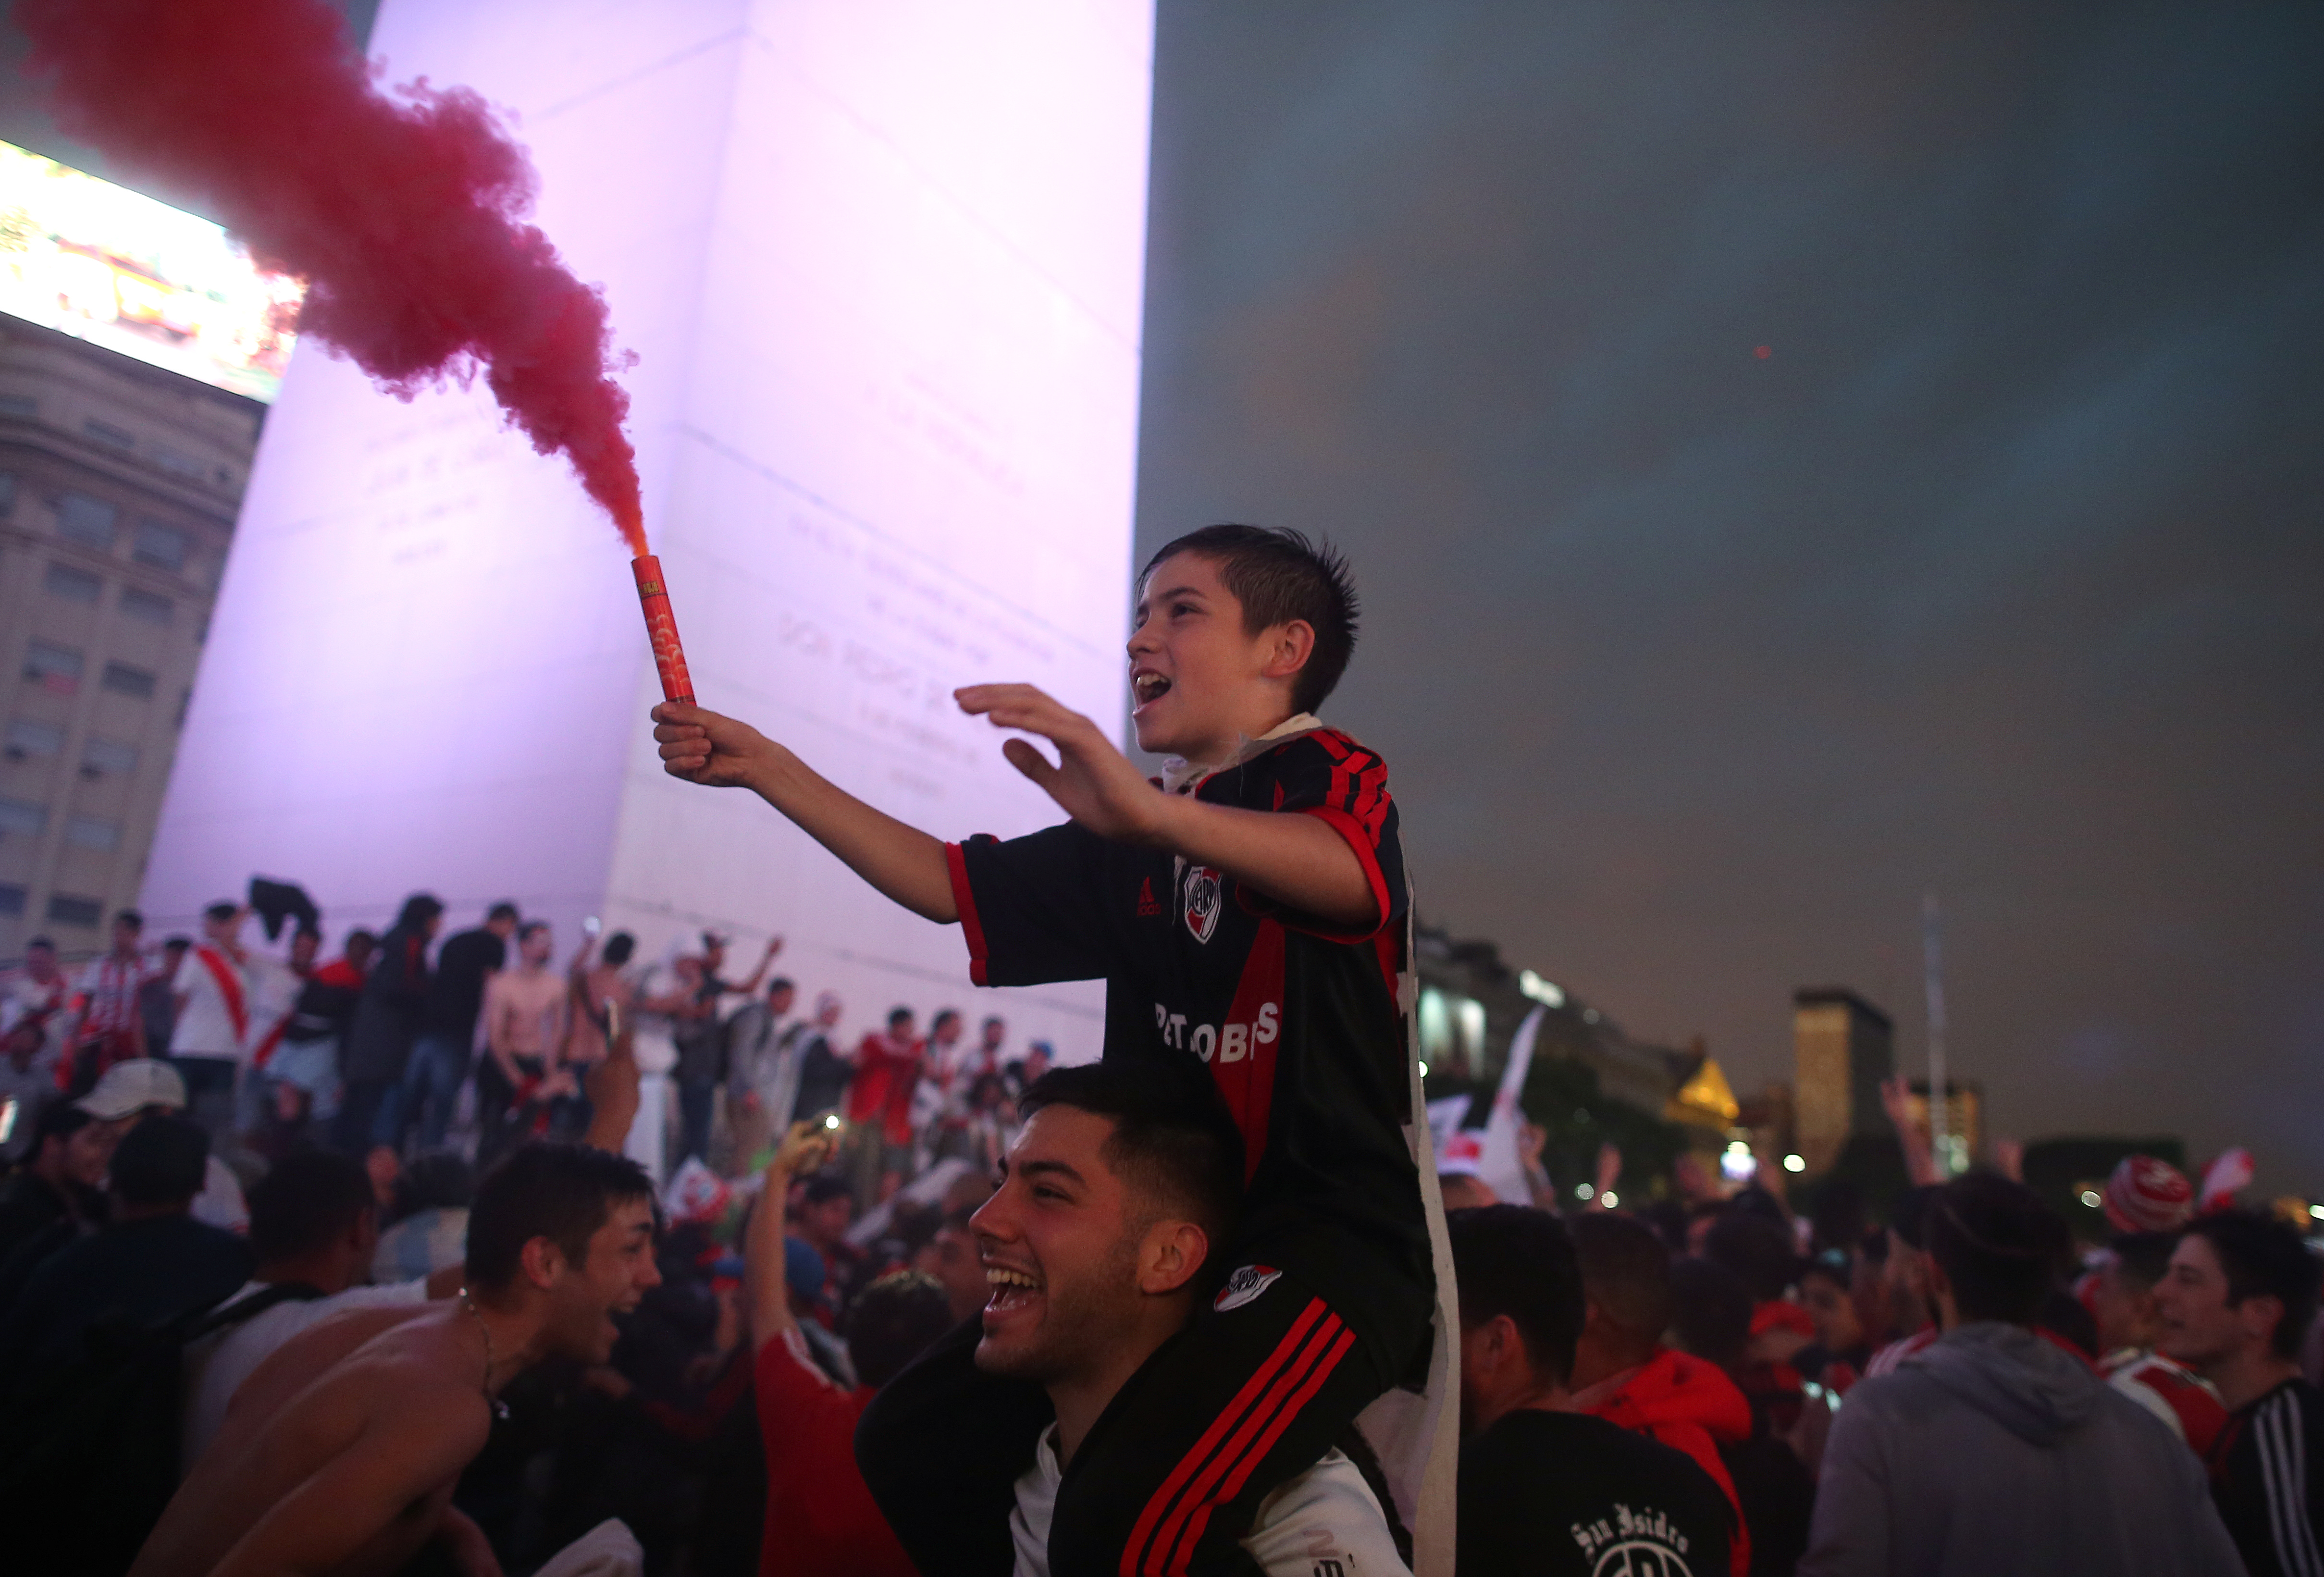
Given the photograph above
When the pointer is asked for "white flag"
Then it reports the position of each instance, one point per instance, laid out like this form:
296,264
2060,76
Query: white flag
1502,1168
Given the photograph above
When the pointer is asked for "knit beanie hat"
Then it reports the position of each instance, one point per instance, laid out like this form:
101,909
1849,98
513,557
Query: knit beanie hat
2148,1195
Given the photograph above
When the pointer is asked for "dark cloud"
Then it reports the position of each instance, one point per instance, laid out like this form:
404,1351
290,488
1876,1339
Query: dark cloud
2001,573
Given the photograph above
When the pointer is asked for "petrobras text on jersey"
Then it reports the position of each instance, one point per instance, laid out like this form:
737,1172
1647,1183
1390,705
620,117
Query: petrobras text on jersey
1231,1042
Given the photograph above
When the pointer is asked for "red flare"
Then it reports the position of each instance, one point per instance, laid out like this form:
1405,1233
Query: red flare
661,629
404,214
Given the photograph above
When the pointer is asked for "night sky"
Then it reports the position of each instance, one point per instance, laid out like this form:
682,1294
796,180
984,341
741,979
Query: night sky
1998,570
1797,457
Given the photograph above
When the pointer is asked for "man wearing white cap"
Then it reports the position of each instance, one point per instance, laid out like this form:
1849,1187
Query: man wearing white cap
132,1090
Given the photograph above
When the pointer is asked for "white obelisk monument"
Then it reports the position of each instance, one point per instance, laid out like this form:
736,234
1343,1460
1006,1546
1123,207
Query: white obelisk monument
880,261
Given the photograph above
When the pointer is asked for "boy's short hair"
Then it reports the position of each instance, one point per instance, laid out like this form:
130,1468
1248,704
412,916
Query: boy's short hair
1514,1260
530,929
1755,1249
826,1186
221,911
2143,1258
2264,1257
1998,1245
618,948
309,1200
1173,1140
1625,1270
1278,576
546,1189
502,910
160,1162
1910,1219
897,1317
1711,1311
130,917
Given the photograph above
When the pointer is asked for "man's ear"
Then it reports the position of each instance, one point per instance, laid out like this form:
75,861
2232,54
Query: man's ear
1173,1252
1594,1318
541,1260
1288,646
2259,1315
1504,1342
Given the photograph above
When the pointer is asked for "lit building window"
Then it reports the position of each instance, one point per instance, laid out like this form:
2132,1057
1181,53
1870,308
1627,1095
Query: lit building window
70,909
1436,1027
123,679
146,607
29,737
162,547
23,818
86,519
93,832
53,668
1470,1014
99,757
78,585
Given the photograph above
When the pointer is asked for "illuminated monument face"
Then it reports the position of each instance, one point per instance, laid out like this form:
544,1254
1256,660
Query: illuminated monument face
881,265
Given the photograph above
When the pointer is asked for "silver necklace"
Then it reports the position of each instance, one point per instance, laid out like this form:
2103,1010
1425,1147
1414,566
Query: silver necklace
500,1408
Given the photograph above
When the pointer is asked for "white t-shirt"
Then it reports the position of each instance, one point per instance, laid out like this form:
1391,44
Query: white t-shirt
273,988
1324,1517
215,1368
220,1204
23,997
205,1027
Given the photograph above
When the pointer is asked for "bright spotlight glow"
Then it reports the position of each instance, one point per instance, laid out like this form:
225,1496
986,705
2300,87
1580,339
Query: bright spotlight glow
1795,1163
1737,1166
1546,992
1582,1190
1611,1200
2316,1213
1736,1146
2090,1197
1423,1070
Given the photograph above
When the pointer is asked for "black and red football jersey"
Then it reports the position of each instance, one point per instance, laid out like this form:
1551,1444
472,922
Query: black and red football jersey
1295,1021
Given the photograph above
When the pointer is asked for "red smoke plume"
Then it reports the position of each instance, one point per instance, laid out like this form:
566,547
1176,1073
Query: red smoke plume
402,215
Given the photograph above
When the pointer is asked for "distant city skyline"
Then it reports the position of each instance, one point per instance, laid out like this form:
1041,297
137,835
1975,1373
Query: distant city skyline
1797,459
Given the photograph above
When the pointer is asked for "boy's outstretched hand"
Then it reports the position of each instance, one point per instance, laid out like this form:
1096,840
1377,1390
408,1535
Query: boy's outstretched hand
704,747
1094,782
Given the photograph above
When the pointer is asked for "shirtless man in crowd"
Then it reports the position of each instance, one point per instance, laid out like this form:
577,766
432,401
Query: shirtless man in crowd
339,1454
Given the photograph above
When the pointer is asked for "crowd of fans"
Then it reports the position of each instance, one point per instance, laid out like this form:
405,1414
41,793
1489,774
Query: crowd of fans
231,1169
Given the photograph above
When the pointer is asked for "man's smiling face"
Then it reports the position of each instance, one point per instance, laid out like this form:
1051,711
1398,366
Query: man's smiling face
1059,1250
613,1275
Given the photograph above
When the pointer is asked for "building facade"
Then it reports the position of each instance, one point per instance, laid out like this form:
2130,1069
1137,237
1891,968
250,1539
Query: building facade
1843,1048
118,487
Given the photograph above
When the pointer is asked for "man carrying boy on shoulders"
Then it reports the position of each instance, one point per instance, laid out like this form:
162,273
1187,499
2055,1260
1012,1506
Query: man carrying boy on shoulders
1247,912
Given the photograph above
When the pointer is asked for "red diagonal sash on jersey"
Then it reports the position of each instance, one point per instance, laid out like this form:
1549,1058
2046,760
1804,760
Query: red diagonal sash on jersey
229,985
1242,1062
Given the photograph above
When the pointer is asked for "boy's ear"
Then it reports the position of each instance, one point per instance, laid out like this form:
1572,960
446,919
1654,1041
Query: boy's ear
1288,646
